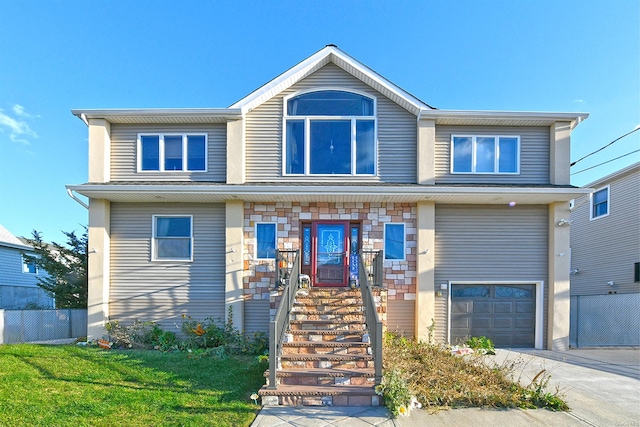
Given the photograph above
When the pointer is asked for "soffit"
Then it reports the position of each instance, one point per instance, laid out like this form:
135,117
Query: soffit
333,194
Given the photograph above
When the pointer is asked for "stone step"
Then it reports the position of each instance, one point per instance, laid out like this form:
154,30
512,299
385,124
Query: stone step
340,377
326,361
352,317
329,302
313,395
332,324
328,309
327,335
325,347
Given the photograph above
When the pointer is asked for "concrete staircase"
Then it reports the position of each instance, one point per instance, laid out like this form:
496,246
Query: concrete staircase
325,361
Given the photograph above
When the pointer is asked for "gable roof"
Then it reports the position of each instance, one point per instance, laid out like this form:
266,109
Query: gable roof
634,167
326,55
8,239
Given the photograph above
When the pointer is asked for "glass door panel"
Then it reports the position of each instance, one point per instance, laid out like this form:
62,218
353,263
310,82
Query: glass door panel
331,254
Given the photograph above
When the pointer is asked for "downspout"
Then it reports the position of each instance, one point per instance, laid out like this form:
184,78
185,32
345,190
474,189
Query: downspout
74,197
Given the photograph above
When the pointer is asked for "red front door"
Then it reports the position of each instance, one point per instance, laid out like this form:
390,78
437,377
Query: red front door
330,253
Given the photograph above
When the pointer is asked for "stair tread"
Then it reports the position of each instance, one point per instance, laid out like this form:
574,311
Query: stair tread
322,321
324,372
327,356
316,390
326,344
324,332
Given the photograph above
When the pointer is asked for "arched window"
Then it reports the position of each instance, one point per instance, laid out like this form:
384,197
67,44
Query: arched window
330,132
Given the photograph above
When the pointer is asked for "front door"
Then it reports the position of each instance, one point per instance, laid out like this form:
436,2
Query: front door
330,253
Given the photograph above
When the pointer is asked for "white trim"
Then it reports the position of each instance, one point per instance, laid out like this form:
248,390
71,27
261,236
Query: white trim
608,188
307,131
404,242
539,298
153,238
298,72
496,159
275,240
185,160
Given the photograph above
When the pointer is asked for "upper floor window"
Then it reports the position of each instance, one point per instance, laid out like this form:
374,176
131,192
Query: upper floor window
172,152
485,154
29,264
600,203
172,238
330,132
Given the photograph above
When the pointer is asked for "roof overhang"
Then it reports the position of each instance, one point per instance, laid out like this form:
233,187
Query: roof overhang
161,115
213,193
326,55
501,118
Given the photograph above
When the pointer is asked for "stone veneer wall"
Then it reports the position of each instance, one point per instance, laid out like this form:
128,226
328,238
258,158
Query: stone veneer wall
399,276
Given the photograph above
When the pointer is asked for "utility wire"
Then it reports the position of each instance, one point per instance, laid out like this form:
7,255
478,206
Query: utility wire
600,149
604,163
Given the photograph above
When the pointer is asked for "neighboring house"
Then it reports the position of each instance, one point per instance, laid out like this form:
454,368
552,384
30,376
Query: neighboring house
19,275
605,262
187,206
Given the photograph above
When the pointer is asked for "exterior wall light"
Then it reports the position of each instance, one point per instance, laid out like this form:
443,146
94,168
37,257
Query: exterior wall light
564,222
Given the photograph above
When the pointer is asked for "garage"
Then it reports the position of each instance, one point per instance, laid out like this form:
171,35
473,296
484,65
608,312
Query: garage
504,313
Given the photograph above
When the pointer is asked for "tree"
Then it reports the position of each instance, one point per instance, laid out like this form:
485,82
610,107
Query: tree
66,266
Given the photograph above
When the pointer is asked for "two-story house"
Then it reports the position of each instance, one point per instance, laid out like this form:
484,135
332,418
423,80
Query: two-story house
605,262
188,206
19,275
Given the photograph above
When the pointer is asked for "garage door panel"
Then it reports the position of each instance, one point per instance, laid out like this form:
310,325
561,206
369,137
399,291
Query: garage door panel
481,322
481,307
524,307
461,322
502,307
461,307
523,322
503,323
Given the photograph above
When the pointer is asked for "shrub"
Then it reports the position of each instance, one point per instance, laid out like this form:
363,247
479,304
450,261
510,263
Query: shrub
481,344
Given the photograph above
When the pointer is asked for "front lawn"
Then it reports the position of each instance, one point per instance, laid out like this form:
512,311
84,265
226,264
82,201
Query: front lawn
79,386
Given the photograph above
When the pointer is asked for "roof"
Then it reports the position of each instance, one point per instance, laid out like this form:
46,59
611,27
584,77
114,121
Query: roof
9,240
326,55
615,175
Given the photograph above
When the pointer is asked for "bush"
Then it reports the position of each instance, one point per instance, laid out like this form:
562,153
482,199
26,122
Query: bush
481,344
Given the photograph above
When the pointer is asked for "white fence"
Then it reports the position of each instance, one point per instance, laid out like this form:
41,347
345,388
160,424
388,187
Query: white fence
41,325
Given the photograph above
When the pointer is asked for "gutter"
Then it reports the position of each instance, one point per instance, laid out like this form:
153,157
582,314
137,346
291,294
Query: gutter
74,197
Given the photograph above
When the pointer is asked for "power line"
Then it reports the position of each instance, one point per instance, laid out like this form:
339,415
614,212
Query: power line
602,148
604,163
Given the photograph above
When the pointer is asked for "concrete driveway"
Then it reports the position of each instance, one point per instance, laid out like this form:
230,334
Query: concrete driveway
602,387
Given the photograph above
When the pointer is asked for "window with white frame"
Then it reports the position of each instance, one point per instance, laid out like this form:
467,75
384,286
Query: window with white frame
172,152
600,203
394,241
266,233
29,264
330,132
485,154
172,238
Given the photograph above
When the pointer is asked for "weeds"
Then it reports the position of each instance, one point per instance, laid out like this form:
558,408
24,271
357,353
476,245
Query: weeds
439,379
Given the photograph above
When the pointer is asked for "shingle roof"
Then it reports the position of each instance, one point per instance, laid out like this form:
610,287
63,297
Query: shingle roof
8,239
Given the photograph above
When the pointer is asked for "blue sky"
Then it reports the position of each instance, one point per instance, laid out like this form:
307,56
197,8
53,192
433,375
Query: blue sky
543,55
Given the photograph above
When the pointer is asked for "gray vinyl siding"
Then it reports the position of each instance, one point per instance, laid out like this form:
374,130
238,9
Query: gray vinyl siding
534,155
17,288
401,316
489,243
396,134
162,291
256,316
605,249
124,148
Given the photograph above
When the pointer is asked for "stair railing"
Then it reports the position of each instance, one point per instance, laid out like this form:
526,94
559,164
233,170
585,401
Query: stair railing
374,325
278,325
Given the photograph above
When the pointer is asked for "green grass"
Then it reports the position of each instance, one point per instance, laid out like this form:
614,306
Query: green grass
79,386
